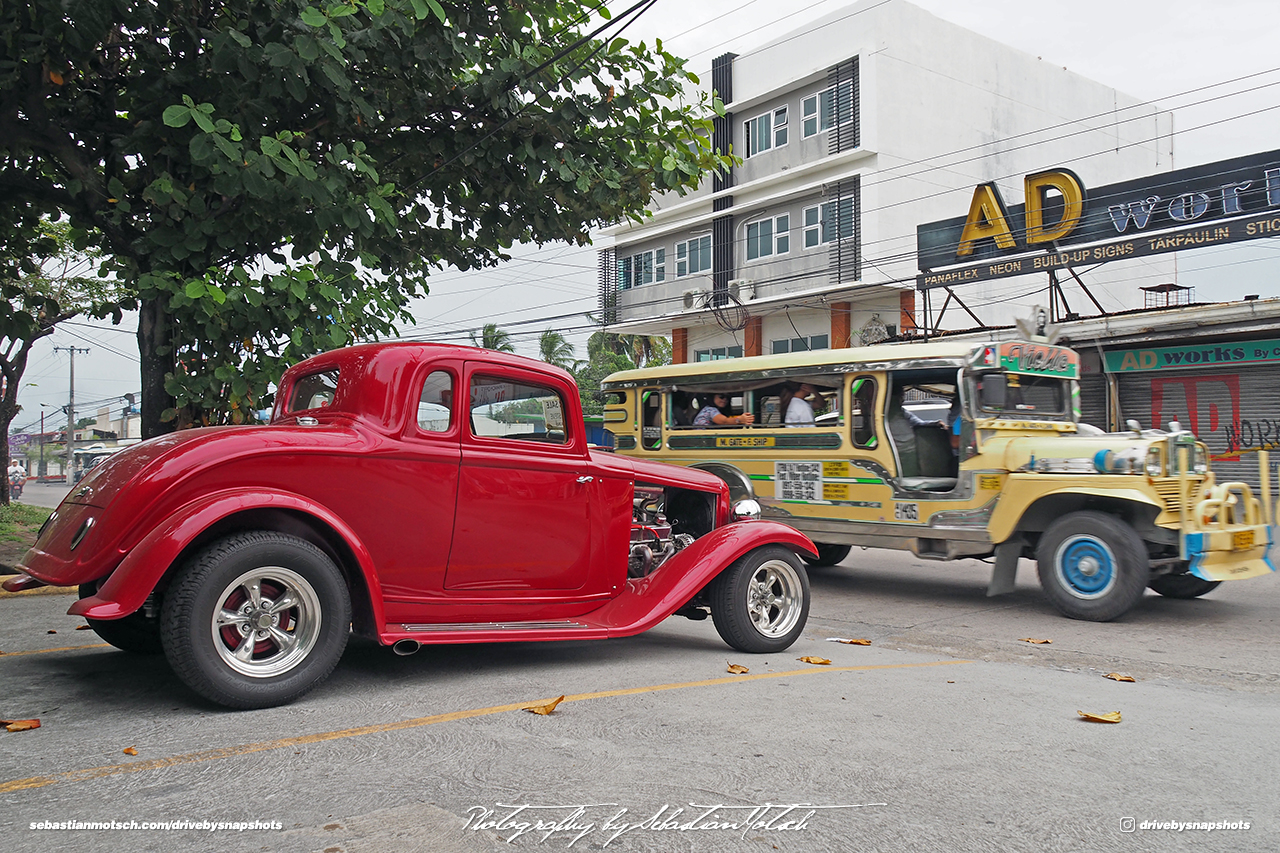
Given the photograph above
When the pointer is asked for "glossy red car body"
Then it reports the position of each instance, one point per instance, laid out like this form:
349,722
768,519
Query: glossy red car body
444,534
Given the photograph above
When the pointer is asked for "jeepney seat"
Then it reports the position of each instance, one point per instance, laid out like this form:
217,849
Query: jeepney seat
924,454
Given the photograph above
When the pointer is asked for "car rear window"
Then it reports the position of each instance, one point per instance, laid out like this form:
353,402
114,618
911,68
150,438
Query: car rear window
314,391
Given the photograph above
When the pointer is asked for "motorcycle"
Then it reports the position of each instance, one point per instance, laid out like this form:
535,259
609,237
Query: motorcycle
16,481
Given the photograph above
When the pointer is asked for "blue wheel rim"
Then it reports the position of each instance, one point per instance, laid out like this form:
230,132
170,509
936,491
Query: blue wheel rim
1085,566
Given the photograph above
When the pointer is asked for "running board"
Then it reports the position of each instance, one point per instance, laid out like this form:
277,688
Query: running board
565,625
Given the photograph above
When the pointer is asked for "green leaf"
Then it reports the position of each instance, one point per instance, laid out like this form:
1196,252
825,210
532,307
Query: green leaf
203,121
375,7
196,289
439,10
313,17
177,116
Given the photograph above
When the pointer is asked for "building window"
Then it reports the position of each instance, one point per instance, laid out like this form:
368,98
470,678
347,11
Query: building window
826,109
802,344
779,127
693,256
812,230
718,353
765,131
642,268
830,221
769,237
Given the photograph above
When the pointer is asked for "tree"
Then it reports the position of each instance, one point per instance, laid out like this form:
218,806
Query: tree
603,357
491,337
269,179
42,288
553,348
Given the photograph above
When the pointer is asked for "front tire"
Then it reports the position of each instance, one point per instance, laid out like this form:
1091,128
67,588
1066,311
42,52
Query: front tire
761,602
1092,566
136,633
1182,586
828,554
256,619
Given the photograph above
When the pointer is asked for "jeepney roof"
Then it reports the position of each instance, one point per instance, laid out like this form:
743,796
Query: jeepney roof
906,356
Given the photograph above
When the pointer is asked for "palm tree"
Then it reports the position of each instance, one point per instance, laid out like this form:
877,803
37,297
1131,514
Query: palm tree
491,337
554,349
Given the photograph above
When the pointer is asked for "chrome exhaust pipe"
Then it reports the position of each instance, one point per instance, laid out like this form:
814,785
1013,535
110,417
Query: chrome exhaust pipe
404,648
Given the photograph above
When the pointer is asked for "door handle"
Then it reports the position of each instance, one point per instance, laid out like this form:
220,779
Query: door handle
585,479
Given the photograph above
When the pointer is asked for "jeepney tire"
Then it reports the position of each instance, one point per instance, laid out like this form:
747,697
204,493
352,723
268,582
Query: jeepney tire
136,633
760,603
1182,586
828,554
279,591
1092,566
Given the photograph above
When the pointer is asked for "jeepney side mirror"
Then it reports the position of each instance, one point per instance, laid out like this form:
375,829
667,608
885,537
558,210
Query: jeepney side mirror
992,392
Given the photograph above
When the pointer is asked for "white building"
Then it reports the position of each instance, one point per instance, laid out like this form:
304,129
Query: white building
853,131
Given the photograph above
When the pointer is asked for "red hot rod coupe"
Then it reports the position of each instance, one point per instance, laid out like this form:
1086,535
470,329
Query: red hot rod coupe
412,493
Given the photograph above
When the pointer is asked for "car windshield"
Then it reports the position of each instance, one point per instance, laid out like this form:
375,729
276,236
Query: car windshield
1024,395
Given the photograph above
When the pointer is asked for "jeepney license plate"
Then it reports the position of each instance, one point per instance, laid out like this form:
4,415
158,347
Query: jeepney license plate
1242,539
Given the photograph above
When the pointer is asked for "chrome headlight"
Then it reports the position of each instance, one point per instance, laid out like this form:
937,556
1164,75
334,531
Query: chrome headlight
1155,465
746,509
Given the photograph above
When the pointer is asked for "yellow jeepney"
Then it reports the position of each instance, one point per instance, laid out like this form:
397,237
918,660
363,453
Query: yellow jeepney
955,449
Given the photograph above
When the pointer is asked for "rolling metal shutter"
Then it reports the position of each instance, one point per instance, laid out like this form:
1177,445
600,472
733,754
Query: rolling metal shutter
1235,411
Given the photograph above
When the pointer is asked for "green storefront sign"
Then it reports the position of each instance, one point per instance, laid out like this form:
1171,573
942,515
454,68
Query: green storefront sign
1205,355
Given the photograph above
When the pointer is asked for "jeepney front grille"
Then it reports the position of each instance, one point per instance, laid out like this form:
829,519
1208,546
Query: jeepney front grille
1167,488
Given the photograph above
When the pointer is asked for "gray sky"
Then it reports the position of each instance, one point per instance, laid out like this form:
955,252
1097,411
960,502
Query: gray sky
1174,52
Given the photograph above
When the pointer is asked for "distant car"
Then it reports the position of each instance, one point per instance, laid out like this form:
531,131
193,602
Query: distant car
413,493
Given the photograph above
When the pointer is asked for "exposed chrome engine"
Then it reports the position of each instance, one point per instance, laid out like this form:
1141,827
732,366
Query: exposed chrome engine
652,542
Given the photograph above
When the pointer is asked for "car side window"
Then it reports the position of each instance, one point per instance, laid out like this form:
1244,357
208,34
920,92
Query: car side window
863,392
502,408
313,392
436,402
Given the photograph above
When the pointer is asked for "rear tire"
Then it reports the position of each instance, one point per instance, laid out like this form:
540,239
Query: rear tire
1092,566
256,619
828,554
1182,586
761,602
136,633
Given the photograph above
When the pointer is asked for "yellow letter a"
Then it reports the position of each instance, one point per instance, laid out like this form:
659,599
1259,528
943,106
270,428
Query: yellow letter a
986,220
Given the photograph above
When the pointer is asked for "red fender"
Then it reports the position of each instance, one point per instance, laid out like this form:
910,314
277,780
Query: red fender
128,586
647,601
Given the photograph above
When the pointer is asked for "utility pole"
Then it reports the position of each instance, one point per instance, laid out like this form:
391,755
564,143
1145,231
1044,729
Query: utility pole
71,411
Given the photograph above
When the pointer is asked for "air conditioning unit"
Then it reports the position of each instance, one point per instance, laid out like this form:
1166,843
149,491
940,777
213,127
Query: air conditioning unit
742,289
693,298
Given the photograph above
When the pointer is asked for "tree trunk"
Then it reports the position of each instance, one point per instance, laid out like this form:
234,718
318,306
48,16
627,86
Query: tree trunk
155,349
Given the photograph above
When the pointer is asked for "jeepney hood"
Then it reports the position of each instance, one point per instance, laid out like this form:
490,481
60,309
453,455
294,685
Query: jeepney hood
1060,451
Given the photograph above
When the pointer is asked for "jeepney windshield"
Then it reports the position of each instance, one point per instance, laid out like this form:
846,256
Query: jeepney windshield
1023,395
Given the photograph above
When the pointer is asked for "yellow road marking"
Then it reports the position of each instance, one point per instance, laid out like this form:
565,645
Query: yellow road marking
417,722
4,654
40,590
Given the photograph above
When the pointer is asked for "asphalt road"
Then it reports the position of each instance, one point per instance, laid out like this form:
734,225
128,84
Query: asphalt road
948,733
44,494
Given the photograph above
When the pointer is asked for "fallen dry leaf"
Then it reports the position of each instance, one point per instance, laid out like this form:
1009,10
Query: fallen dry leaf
1035,641
815,660
130,750
545,708
55,78
51,631
1109,717
1116,676
736,668
848,642
84,628
20,725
